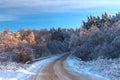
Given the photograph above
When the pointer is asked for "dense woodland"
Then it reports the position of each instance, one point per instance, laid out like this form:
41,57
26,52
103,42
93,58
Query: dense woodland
99,37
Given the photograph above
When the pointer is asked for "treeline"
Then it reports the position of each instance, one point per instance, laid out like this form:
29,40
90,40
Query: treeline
26,45
97,38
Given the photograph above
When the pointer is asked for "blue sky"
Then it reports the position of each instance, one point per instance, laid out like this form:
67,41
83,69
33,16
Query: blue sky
40,14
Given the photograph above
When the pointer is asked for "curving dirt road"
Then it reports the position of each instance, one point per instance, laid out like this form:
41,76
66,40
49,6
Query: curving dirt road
56,71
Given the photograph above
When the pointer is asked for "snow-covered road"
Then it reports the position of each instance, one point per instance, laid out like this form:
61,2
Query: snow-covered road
23,74
61,67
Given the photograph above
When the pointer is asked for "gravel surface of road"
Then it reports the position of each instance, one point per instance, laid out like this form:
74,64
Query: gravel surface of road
56,70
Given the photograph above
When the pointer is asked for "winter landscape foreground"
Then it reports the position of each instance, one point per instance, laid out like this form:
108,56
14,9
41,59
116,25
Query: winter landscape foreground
101,69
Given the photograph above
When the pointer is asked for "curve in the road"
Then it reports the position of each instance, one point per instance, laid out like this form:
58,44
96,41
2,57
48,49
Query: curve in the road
56,71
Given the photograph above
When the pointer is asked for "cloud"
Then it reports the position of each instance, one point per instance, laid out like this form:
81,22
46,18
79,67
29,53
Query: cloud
7,18
23,7
56,3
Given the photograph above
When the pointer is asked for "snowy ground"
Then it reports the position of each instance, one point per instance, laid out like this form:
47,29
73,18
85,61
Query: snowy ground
10,70
14,71
108,69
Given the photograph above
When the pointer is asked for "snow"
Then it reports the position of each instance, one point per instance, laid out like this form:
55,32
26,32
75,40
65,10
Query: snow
20,74
8,74
107,69
103,68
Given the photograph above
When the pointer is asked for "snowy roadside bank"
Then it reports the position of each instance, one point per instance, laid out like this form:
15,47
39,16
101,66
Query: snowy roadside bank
25,73
103,68
10,70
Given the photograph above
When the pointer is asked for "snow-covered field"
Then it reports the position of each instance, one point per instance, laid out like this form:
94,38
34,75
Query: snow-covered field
107,69
15,71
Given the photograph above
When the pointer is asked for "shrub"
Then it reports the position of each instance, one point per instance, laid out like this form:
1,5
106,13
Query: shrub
23,52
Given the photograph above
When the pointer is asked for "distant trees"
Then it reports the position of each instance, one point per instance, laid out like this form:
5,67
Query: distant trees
74,41
104,43
105,21
98,37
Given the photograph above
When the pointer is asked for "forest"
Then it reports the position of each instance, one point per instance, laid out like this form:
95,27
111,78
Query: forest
98,37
